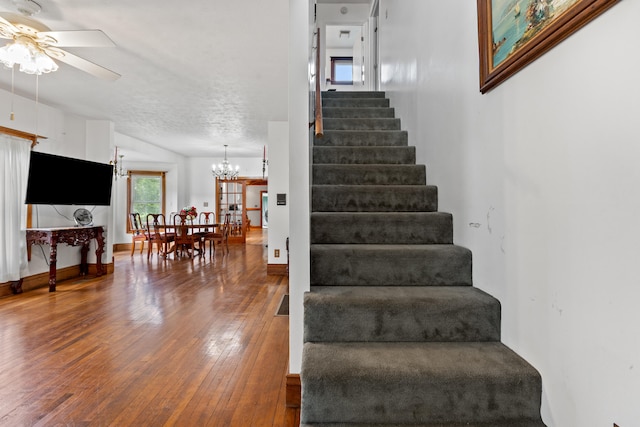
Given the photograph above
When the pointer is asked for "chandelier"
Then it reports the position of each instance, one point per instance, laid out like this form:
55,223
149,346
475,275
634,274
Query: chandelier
117,165
25,52
224,170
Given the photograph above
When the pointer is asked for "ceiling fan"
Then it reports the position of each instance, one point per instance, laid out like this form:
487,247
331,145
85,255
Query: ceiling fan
36,40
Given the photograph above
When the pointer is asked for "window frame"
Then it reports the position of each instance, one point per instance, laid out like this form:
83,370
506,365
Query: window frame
338,59
130,175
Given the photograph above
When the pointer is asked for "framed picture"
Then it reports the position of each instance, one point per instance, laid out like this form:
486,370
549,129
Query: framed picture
513,33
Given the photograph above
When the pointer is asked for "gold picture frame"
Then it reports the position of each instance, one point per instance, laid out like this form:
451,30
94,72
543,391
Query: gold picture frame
514,33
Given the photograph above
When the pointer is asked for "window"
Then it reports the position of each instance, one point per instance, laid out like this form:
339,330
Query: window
342,70
145,194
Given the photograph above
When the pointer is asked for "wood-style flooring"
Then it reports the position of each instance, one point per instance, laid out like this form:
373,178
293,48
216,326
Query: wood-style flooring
175,342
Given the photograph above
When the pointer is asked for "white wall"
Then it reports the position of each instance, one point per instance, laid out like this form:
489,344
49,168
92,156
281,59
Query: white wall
278,184
300,33
546,167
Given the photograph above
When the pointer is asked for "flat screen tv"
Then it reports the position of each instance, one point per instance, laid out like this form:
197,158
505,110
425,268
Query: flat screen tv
58,180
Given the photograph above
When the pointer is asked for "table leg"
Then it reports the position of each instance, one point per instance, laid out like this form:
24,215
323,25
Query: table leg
53,257
99,251
84,266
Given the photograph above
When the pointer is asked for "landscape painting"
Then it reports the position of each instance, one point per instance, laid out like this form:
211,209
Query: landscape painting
512,33
516,22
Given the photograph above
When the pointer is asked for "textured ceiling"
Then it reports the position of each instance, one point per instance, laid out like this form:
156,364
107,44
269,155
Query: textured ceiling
195,75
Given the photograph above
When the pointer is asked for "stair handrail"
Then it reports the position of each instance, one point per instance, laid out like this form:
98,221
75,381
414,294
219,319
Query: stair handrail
318,105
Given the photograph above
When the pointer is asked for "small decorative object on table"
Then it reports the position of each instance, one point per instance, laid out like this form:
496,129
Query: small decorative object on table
189,211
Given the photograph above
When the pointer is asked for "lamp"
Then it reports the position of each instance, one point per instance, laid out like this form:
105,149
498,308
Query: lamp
224,170
117,169
25,52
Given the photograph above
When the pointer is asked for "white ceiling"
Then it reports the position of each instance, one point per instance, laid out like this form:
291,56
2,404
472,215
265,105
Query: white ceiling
195,75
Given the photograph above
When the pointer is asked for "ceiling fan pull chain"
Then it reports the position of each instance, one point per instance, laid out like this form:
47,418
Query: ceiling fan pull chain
12,116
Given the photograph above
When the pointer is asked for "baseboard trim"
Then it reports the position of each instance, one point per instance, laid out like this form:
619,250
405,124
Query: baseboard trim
121,247
41,280
293,391
277,270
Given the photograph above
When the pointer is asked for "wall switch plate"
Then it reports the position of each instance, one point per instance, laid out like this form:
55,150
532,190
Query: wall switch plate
276,253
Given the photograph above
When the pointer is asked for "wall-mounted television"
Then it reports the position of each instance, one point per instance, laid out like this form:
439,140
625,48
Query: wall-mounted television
58,180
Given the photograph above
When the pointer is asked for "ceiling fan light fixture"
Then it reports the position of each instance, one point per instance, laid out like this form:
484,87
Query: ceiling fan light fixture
5,57
31,59
44,63
18,52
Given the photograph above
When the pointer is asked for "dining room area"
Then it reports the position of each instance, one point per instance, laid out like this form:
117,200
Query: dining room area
175,340
182,234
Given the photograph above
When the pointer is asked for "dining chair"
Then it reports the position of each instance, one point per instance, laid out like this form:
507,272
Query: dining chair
207,218
185,238
158,234
138,233
206,231
222,235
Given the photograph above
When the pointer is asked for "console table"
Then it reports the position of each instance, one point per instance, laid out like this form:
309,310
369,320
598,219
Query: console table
72,236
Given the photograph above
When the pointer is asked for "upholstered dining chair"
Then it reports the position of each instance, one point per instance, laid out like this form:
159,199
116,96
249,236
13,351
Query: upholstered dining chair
138,233
158,234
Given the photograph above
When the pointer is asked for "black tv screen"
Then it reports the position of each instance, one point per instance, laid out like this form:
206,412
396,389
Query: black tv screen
58,180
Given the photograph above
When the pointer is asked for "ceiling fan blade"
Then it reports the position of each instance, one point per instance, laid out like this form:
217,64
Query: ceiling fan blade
77,38
82,64
7,29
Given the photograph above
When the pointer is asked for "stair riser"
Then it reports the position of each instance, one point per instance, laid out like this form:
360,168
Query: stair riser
361,124
417,401
373,228
355,103
390,265
363,138
356,112
369,175
407,314
374,198
364,155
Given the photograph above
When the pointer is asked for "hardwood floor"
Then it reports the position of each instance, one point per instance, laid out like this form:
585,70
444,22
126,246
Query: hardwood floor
158,343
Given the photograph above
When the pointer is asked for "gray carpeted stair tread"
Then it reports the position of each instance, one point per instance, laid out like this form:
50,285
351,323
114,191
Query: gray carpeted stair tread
415,313
390,265
374,198
324,174
365,155
355,102
417,383
382,227
362,138
349,94
357,112
361,124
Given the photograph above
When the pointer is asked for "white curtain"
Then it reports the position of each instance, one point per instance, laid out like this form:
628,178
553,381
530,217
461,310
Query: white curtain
14,169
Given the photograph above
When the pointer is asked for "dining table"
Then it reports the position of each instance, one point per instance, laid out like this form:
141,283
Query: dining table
197,229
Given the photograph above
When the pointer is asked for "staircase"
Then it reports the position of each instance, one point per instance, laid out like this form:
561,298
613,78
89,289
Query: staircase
395,333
